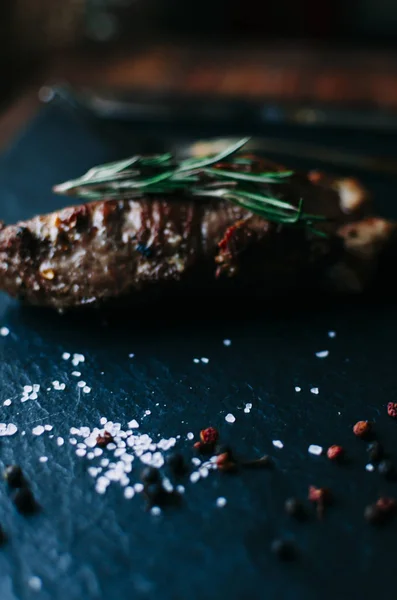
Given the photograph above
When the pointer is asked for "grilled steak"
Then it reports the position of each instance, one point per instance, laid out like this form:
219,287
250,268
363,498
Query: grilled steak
120,250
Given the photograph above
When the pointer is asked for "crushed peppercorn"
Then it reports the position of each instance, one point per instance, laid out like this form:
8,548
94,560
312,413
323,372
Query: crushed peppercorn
321,497
392,410
362,429
103,440
209,436
335,452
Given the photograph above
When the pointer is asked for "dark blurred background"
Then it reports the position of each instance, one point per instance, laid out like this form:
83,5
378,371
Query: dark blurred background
316,61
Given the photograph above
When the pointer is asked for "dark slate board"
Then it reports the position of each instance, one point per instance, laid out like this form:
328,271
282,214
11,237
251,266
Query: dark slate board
84,545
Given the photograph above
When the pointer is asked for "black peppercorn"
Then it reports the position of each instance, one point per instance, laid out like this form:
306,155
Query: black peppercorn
283,549
295,508
375,452
373,514
14,476
150,475
24,501
176,462
387,469
155,494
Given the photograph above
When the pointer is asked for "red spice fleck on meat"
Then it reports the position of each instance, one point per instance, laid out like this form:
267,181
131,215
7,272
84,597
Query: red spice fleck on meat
103,440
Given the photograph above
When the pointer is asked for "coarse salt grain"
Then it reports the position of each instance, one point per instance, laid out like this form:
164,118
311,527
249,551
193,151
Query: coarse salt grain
39,430
81,452
60,441
155,510
322,354
131,355
196,360
48,427
369,467
86,389
331,334
180,489
230,418
248,407
129,492
76,373
27,389
298,389
9,429
133,424
194,477
35,583
43,459
190,435
314,449
221,502
4,331
205,360
227,342
314,390
7,402
278,444
138,487
66,355
81,384
196,461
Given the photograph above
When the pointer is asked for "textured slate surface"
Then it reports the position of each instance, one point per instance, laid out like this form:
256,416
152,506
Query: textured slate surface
87,546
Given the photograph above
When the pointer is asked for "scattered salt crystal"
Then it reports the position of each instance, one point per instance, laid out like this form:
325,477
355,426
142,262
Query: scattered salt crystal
156,511
98,451
203,472
190,435
27,389
278,444
196,461
103,420
33,396
43,459
314,449
196,360
36,387
322,354
76,373
66,355
369,467
105,462
74,431
90,455
7,402
194,477
230,418
86,389
81,452
180,489
138,487
60,441
248,407
4,331
331,334
148,412
73,441
35,583
298,389
314,390
131,355
81,384
205,360
227,342
9,429
133,424
129,492
48,427
221,502
38,430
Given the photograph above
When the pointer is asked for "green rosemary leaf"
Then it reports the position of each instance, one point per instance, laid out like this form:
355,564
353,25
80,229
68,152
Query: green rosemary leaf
266,200
156,159
193,164
253,178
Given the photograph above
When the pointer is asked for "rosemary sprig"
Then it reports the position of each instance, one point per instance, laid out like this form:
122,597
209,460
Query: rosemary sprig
199,177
